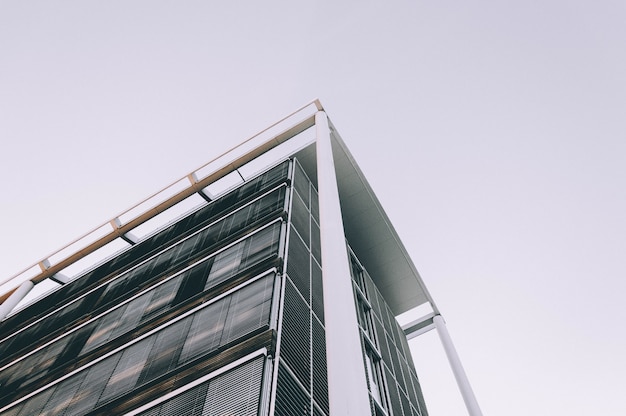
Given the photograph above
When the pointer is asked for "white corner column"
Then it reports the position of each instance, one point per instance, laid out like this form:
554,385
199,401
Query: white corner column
347,383
11,302
455,363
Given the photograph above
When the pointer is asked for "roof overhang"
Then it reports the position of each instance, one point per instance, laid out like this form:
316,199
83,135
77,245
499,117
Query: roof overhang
369,231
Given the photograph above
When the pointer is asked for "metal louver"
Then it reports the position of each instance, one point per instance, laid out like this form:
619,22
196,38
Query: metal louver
236,392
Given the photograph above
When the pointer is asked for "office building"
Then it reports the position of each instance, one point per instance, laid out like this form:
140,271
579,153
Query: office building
275,294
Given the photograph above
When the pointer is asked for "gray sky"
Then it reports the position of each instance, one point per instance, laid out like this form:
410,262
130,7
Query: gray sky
494,134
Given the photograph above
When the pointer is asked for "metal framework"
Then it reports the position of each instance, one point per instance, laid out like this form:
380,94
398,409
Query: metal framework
342,188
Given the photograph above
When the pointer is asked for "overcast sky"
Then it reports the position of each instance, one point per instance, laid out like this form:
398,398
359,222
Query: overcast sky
493,132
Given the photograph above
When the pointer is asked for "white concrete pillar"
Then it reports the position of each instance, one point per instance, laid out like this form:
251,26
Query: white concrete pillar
15,298
347,383
455,363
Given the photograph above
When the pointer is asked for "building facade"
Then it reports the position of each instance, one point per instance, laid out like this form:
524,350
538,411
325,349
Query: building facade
267,298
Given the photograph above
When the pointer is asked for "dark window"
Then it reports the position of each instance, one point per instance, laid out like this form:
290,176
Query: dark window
357,275
206,330
237,315
375,378
236,392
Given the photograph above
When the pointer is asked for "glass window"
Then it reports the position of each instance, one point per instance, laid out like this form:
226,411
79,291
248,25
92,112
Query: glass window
127,370
230,318
357,275
249,309
373,376
103,331
165,351
236,392
301,184
92,386
226,264
300,218
256,248
299,265
262,245
365,318
189,403
206,330
187,248
161,298
62,396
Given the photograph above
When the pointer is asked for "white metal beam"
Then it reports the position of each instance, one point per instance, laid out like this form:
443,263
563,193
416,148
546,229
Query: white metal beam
7,306
455,363
347,382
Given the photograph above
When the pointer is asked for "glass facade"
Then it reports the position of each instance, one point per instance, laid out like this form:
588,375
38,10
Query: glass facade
302,385
393,384
184,303
218,313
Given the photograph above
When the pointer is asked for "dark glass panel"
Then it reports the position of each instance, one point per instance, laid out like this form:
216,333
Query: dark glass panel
258,247
291,400
394,396
317,291
382,310
412,390
193,281
295,347
35,405
315,207
262,245
189,403
298,265
206,330
399,370
405,404
316,246
300,219
132,360
165,351
62,396
396,364
95,380
372,296
104,329
149,246
301,184
236,392
225,265
161,298
249,309
383,348
320,373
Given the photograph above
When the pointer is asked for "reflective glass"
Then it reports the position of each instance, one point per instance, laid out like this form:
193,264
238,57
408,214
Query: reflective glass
206,330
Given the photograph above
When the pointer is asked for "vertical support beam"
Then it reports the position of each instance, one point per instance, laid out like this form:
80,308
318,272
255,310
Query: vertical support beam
15,298
455,363
347,383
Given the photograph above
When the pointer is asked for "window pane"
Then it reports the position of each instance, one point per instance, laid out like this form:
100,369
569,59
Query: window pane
249,309
106,325
162,297
226,264
164,354
127,371
62,396
206,330
262,245
236,392
92,386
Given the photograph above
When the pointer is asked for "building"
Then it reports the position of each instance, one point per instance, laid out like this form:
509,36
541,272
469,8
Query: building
276,294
